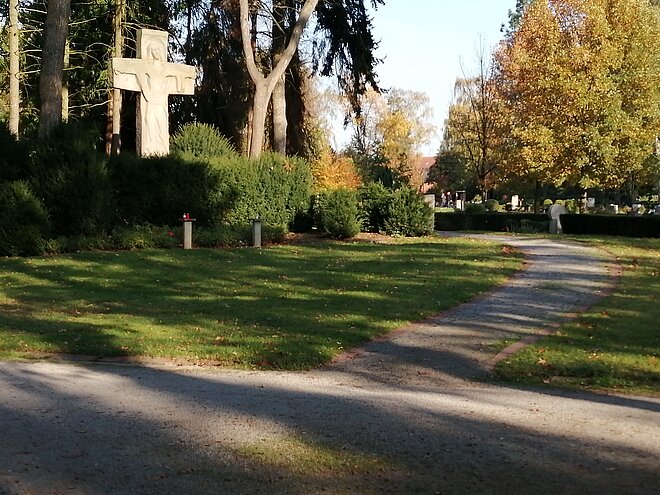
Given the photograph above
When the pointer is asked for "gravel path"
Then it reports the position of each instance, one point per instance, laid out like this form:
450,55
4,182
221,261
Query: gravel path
401,415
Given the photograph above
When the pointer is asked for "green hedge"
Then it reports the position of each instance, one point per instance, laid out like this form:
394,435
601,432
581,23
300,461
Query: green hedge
158,190
24,223
274,188
336,213
493,222
214,190
67,173
616,225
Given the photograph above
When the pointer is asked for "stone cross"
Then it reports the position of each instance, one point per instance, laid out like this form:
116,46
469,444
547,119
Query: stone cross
155,79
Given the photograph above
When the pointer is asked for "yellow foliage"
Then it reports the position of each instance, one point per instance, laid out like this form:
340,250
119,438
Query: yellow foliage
579,78
332,172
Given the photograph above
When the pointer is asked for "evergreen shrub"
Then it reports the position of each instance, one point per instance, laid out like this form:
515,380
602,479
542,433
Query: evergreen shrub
274,188
234,235
336,213
68,174
144,236
13,157
374,200
493,206
24,225
159,190
408,214
197,140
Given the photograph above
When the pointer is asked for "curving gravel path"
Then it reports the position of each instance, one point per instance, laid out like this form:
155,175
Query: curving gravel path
401,415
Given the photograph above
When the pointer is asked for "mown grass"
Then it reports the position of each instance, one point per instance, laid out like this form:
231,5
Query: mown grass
287,307
615,346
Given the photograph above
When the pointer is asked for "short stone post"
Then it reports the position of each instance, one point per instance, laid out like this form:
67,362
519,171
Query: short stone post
256,232
187,230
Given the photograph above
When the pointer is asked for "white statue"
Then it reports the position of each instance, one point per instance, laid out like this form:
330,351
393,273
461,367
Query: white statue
155,79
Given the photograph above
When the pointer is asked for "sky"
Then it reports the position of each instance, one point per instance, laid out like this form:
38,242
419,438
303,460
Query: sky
424,42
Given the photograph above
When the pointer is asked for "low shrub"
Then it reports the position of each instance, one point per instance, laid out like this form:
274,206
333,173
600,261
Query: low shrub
197,140
68,174
407,214
235,235
24,225
493,206
374,200
336,213
473,208
615,225
144,236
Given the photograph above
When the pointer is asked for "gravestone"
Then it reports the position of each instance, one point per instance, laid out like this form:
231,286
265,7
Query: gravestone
515,202
155,79
554,212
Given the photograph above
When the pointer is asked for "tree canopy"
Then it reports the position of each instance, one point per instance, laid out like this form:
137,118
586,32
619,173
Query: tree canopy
579,84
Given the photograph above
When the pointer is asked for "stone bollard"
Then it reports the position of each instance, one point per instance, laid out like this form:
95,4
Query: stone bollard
187,230
256,232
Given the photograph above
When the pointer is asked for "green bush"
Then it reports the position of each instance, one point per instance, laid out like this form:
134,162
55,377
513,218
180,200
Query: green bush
234,235
76,243
158,190
408,214
198,140
13,158
336,213
374,200
227,190
493,222
274,188
68,174
617,225
24,223
145,236
493,206
571,206
475,208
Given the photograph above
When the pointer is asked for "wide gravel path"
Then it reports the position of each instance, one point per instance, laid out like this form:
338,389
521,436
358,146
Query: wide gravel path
406,414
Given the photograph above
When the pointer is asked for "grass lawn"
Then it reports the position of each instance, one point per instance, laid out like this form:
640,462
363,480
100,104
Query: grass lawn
616,345
288,307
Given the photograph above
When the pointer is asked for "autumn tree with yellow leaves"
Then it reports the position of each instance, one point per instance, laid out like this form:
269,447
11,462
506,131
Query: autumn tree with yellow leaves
579,79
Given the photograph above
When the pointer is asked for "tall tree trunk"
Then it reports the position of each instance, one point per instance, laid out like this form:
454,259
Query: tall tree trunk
113,127
264,86
279,117
52,65
65,83
279,93
14,68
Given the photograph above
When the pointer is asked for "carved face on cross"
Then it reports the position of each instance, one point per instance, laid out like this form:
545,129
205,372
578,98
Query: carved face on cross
152,45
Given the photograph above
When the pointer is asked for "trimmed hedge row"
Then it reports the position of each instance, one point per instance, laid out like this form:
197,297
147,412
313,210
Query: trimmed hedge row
619,225
493,222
